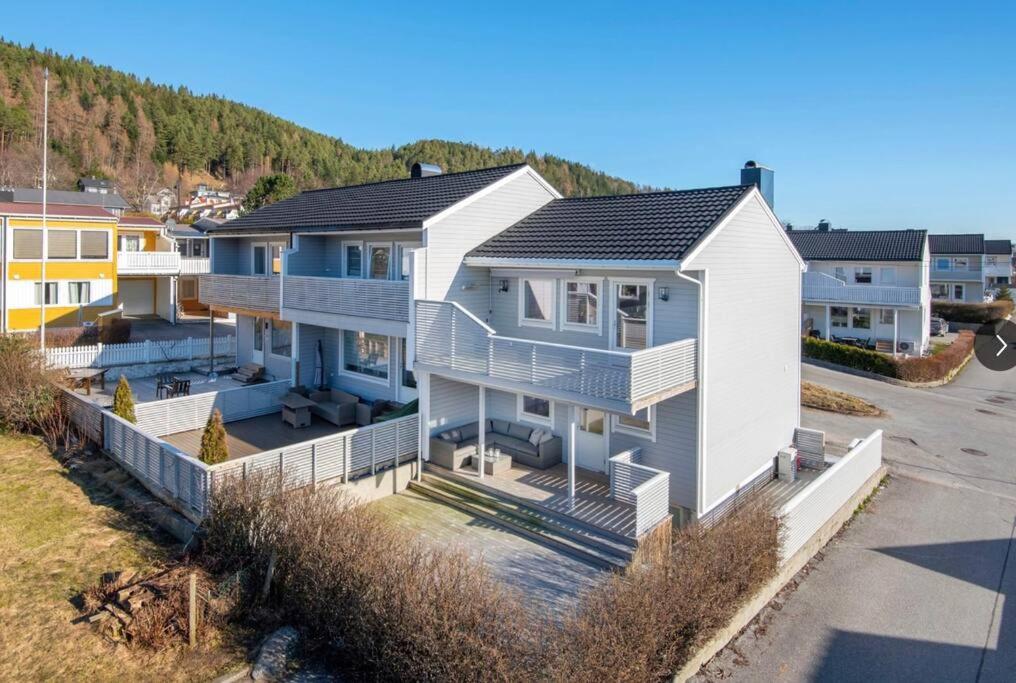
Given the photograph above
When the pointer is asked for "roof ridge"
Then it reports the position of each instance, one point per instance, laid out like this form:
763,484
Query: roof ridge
653,193
843,231
402,180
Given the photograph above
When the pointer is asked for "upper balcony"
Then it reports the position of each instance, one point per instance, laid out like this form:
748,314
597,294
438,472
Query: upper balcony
195,266
452,342
147,263
240,292
379,299
822,288
956,274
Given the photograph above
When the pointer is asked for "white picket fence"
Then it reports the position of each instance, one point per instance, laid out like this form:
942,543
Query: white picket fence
109,355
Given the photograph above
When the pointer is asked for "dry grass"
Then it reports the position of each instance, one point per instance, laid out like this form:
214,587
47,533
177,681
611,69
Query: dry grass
56,538
830,400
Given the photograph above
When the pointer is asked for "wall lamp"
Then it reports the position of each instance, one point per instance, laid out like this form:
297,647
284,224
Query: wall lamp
503,286
664,293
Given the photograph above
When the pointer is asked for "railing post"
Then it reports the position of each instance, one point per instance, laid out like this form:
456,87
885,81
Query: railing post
451,345
190,348
532,363
148,350
396,462
313,467
99,357
372,454
282,470
345,459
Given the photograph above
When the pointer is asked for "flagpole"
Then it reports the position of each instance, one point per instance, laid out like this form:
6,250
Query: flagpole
45,180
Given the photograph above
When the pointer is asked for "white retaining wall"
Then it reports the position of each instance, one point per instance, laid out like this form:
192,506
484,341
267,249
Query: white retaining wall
174,415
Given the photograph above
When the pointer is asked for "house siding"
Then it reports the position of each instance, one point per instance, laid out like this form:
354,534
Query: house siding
331,338
321,255
276,367
752,346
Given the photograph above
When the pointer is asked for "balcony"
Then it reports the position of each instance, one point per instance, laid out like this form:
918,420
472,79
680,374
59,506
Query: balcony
453,343
194,266
240,292
822,288
378,299
956,275
147,263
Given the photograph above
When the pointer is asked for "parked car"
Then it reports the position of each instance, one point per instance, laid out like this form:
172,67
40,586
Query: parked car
939,326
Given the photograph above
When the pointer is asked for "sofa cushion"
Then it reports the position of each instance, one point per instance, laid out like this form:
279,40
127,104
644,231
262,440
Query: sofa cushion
535,437
500,426
520,445
519,431
339,396
446,436
470,431
545,437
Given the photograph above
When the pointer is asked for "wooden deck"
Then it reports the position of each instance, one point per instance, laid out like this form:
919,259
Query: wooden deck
549,489
256,435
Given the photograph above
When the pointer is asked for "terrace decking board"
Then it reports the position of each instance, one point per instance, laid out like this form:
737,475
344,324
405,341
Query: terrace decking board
256,435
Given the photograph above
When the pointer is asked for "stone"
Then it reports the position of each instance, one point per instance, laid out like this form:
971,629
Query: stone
273,659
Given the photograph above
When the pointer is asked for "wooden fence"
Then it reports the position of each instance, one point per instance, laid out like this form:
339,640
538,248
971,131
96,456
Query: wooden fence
109,355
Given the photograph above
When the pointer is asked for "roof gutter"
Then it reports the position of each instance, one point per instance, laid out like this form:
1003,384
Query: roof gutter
602,264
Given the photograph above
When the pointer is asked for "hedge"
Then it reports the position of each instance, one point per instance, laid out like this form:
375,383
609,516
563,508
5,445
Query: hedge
926,369
850,356
971,313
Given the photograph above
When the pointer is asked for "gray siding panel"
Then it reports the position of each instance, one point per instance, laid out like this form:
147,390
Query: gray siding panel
330,340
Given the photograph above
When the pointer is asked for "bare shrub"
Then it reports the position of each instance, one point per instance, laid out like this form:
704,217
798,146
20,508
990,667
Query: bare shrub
28,391
937,366
115,331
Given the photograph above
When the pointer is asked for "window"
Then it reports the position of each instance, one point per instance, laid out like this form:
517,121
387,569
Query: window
942,264
130,242
581,306
840,273
259,264
181,246
887,316
276,252
535,409
631,315
860,318
259,334
353,255
282,338
537,303
838,316
961,263
28,244
198,248
62,244
591,420
939,291
365,354
79,292
380,261
408,378
862,276
188,288
958,292
887,276
640,424
51,294
405,252
95,244
991,260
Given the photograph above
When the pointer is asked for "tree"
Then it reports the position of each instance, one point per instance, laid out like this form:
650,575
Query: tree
269,189
1004,293
123,401
213,441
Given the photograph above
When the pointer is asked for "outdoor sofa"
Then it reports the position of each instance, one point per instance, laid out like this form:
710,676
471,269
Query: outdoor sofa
334,405
454,448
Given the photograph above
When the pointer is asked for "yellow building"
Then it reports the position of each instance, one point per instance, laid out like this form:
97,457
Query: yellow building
148,265
81,268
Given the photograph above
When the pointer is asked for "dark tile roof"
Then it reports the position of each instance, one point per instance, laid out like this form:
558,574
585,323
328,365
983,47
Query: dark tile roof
997,247
403,203
649,226
956,244
859,245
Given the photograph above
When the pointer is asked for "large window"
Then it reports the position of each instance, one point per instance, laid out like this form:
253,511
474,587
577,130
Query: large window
352,254
631,315
961,263
942,264
862,276
958,292
535,409
887,276
886,316
838,316
365,354
380,261
640,424
405,256
282,338
860,318
51,294
581,306
130,242
259,257
95,244
79,292
199,248
62,244
27,244
276,251
536,306
939,291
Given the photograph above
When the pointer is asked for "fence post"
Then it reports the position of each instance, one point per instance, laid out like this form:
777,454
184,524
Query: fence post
98,358
397,453
282,470
148,350
372,469
313,467
190,348
192,610
345,459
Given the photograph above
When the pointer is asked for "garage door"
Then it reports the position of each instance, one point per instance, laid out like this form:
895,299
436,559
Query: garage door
137,296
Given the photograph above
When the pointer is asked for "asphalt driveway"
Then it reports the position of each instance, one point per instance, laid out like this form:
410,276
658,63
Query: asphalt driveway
922,585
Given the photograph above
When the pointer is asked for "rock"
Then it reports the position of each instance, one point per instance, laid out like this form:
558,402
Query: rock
273,659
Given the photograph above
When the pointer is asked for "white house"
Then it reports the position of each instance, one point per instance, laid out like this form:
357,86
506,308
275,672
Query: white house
998,263
871,285
957,268
661,328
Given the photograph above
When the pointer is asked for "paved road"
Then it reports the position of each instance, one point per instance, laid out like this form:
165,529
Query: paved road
923,586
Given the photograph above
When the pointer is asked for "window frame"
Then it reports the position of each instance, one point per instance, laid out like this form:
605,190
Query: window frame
37,293
597,327
403,250
387,246
550,323
854,313
962,288
386,381
945,294
845,316
864,271
130,236
890,270
943,263
13,234
618,427
345,259
650,284
77,245
77,285
840,273
271,339
254,259
881,316
93,259
532,418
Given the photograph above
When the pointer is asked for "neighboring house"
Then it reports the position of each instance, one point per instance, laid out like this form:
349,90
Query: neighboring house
162,202
110,201
957,267
147,267
80,273
867,284
666,322
96,185
192,245
998,263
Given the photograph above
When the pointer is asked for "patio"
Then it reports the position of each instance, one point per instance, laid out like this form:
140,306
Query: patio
256,435
144,388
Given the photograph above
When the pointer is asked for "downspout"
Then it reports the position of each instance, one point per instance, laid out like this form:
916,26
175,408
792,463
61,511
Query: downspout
700,432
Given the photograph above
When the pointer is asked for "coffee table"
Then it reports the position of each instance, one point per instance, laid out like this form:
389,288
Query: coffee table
296,410
495,462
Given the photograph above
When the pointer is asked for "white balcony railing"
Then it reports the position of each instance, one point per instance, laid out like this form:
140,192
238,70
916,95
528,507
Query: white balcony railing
194,266
645,488
450,338
822,288
957,274
147,263
382,299
233,292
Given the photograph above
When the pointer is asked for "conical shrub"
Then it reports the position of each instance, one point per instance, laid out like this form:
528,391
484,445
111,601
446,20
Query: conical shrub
123,401
213,442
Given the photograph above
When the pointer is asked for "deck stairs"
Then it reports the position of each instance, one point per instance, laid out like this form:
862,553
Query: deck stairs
884,345
598,547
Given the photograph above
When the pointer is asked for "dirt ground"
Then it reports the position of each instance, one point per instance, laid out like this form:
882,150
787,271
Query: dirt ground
59,532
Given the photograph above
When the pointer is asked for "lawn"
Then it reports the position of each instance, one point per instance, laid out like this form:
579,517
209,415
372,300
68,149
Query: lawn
58,534
822,398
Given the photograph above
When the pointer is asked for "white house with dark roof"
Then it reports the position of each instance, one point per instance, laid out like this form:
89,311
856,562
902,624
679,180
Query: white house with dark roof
656,335
868,285
998,263
957,267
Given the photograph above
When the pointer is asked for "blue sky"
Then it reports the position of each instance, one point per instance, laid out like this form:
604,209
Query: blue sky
873,115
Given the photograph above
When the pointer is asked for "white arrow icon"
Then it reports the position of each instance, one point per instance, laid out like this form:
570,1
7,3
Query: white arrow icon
1003,343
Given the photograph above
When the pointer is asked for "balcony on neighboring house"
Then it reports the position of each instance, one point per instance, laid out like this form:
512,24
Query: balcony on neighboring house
147,263
970,274
194,265
453,343
327,300
240,292
826,289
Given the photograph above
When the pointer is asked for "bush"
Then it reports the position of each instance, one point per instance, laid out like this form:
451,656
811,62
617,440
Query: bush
115,331
971,313
937,366
1004,294
850,356
214,448
28,391
63,337
123,401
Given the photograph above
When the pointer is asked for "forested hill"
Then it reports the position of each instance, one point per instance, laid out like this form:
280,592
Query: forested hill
105,122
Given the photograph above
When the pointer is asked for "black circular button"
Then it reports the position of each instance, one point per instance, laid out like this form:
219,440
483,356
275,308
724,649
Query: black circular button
995,345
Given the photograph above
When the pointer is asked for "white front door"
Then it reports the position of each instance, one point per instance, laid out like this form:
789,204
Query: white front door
591,440
257,354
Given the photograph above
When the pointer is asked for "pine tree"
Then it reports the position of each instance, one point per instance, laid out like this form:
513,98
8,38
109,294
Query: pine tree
123,401
213,441
1004,293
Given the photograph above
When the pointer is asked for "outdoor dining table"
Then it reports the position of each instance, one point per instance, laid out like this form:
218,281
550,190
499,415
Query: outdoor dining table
82,377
